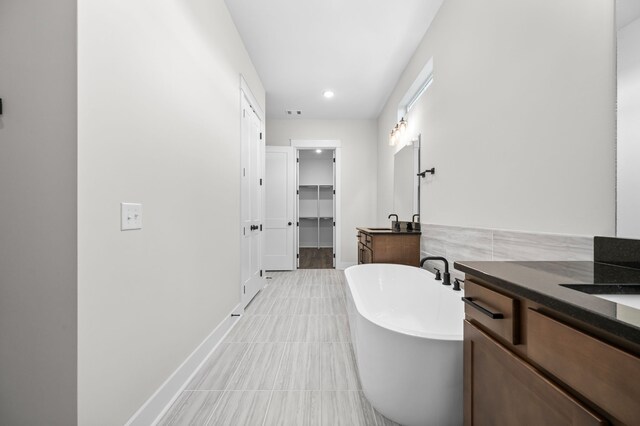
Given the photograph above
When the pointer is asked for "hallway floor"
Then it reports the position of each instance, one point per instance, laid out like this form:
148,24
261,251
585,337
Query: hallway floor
288,361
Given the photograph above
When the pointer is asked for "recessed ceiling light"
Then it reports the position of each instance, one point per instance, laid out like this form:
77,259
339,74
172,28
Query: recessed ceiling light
328,94
318,151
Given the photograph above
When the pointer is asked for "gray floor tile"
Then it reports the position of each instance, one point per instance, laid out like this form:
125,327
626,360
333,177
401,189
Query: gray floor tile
312,306
296,290
333,290
241,408
294,335
274,328
284,306
191,408
270,290
278,291
338,367
300,367
219,368
311,291
246,329
305,328
260,305
334,306
258,368
294,408
288,278
346,408
334,328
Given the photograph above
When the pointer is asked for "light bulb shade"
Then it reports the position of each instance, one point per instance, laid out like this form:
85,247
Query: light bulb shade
403,125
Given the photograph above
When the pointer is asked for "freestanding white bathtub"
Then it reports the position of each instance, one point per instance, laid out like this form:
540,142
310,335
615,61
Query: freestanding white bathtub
406,329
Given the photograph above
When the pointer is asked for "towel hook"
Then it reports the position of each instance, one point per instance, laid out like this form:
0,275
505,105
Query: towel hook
431,170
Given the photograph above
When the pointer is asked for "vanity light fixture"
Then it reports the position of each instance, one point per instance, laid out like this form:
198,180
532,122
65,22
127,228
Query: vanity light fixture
328,94
398,131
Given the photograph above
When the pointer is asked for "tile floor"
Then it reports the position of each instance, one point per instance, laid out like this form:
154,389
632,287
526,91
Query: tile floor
288,361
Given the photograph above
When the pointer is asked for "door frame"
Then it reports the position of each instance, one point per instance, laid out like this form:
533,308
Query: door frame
245,92
336,145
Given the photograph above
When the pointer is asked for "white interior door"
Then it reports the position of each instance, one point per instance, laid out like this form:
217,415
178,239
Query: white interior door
251,203
297,186
279,208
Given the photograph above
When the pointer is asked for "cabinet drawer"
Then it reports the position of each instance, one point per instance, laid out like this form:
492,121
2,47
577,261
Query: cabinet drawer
605,375
495,311
365,239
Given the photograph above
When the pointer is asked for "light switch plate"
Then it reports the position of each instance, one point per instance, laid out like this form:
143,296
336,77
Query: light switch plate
131,216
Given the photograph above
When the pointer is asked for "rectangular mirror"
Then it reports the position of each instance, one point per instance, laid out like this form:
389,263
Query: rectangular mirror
628,118
406,182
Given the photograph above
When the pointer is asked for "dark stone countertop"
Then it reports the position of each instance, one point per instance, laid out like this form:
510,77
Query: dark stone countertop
541,283
387,231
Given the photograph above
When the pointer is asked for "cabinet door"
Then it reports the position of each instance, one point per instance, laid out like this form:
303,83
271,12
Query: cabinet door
502,389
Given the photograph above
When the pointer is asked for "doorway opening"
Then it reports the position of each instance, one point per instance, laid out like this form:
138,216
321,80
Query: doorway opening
302,206
316,208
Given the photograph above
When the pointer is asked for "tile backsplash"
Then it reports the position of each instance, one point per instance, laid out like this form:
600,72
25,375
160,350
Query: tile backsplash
461,243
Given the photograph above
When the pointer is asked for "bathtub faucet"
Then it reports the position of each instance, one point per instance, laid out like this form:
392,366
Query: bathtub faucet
446,280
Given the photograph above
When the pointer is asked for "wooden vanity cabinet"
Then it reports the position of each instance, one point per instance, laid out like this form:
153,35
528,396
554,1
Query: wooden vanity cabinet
502,389
530,365
388,247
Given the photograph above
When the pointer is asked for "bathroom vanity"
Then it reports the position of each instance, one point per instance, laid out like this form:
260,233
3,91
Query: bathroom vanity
382,245
542,345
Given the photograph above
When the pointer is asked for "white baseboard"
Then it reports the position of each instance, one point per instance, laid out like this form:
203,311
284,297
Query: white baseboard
156,406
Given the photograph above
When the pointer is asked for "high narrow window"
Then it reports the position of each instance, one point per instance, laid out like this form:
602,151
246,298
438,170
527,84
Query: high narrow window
422,89
416,90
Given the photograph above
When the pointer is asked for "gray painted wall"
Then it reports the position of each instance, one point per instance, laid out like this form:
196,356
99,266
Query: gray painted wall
38,182
519,121
159,124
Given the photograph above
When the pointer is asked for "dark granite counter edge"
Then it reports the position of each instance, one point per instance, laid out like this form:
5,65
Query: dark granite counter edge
616,328
389,232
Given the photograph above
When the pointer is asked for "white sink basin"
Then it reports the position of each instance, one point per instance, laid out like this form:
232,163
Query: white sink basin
630,300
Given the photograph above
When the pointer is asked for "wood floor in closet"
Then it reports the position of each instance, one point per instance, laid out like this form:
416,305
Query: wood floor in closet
313,258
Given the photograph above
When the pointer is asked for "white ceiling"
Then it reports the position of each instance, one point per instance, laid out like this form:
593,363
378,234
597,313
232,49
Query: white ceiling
357,48
627,11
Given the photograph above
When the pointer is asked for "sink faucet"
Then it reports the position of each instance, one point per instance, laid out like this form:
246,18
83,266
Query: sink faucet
446,277
396,223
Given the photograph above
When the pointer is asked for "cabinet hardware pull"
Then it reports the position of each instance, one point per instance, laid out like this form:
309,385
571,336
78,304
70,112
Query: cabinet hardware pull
493,315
